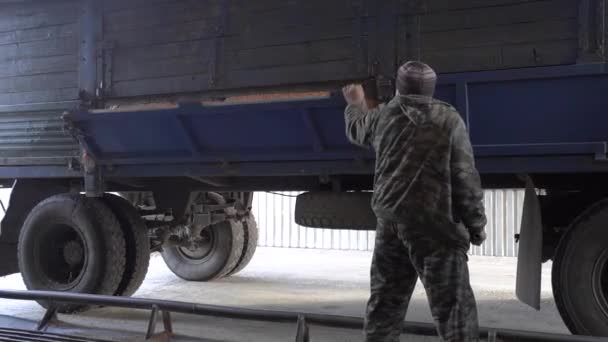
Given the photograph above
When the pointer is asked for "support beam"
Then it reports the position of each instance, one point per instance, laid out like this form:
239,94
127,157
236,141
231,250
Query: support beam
49,315
217,63
592,31
91,30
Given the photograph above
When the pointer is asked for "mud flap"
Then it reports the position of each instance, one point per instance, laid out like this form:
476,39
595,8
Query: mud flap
529,262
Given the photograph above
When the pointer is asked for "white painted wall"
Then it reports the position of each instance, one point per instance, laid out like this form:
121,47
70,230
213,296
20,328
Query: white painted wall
274,214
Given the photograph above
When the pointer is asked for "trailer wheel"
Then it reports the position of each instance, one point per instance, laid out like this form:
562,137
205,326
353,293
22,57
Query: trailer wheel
335,210
137,244
217,253
580,273
250,228
74,244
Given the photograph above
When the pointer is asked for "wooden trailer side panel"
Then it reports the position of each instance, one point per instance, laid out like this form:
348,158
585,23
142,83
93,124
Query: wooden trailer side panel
38,52
39,65
472,35
169,47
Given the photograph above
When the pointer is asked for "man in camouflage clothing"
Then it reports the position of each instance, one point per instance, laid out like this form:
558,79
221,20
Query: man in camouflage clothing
428,200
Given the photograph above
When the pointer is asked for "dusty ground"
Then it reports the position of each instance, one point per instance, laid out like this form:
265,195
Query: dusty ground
332,282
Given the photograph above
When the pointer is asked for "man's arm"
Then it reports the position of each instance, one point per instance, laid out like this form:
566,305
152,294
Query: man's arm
467,192
359,125
358,118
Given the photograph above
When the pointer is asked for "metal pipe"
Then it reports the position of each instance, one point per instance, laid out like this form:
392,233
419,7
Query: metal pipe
415,328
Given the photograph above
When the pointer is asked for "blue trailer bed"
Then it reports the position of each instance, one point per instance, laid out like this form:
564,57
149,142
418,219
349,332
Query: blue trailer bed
540,120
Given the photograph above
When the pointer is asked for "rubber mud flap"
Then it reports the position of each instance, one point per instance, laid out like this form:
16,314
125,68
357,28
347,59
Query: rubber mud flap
529,261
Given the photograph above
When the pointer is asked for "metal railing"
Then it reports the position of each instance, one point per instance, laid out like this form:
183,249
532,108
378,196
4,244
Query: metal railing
165,308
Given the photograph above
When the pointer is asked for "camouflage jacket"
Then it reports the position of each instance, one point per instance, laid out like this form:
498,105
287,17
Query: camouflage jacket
425,175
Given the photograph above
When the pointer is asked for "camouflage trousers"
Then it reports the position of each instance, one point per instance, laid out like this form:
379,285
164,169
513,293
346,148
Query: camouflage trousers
399,259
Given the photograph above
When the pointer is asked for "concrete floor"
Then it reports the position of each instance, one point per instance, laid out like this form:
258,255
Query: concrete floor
315,281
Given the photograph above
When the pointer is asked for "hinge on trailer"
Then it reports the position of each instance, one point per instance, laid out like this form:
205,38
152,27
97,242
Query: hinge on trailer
105,69
215,63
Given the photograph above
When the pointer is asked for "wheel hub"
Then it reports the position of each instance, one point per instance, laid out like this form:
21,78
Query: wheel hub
200,247
62,256
73,253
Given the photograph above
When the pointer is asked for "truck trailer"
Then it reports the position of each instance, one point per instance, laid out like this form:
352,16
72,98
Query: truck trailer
129,127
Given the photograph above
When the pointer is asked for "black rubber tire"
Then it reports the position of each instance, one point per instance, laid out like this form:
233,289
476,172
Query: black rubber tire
335,210
137,244
225,253
577,277
96,230
251,232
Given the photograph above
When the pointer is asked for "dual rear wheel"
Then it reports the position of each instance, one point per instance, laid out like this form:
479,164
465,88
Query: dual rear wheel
101,246
85,245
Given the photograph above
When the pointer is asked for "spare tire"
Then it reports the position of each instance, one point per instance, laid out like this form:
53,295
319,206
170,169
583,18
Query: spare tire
74,244
335,210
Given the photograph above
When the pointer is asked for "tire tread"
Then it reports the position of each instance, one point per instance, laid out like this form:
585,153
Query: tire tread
138,244
583,222
251,236
331,210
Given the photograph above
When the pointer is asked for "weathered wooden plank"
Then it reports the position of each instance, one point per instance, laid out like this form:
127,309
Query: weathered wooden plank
163,51
38,82
160,86
37,14
502,57
298,13
50,129
509,34
319,72
292,74
499,15
36,34
28,117
38,65
261,5
464,59
19,109
162,14
51,47
35,146
549,53
119,5
133,69
196,30
303,53
252,38
445,5
40,96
